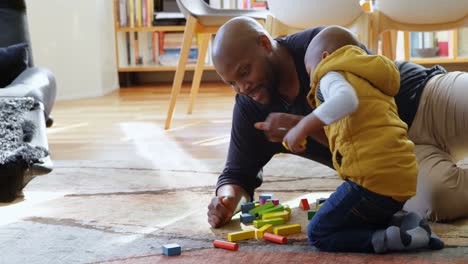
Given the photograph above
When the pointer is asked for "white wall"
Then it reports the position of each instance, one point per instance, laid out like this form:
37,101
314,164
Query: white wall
75,40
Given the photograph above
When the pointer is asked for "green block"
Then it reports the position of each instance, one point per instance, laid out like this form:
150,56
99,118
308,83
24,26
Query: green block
256,210
310,214
278,208
272,221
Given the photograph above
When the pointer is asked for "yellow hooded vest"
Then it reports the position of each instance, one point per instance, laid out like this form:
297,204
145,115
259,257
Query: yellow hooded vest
370,147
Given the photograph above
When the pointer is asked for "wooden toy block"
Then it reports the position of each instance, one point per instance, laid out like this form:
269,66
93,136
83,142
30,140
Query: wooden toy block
245,207
226,245
275,238
241,235
311,214
304,204
273,221
320,201
247,218
284,214
274,201
266,196
171,250
287,230
278,208
264,229
261,201
256,210
318,206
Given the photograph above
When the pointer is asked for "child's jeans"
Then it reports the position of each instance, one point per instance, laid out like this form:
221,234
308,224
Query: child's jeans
349,218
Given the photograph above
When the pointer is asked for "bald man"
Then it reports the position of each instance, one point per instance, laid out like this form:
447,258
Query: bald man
272,83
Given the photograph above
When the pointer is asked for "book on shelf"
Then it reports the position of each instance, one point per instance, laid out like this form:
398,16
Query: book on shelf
135,13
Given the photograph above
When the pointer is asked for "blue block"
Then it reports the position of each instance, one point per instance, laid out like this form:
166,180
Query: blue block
266,196
171,250
247,218
246,207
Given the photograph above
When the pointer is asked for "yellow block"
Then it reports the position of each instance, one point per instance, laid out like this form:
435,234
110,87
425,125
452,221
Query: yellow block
286,207
287,230
272,221
266,228
284,215
241,235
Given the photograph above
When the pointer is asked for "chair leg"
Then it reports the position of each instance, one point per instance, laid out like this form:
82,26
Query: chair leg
202,48
180,71
389,41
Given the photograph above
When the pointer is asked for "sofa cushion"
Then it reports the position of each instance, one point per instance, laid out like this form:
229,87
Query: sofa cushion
13,61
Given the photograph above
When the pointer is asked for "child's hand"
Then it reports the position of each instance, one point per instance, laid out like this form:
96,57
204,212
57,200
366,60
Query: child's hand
295,140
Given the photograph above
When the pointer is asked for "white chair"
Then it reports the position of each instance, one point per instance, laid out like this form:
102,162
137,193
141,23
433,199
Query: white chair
414,15
288,17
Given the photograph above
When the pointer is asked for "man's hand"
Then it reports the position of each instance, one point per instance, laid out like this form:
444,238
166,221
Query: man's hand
227,201
277,125
220,211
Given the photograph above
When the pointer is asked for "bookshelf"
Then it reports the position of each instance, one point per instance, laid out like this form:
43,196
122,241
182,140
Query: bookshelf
138,43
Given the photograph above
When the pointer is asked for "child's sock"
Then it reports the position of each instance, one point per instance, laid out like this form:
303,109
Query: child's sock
395,239
409,221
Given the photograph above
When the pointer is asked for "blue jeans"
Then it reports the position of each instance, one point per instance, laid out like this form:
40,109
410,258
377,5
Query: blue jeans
349,218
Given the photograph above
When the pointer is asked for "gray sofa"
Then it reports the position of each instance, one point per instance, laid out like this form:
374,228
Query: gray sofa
35,82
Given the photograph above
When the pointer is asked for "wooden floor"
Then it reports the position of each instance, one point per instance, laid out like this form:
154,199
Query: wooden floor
120,125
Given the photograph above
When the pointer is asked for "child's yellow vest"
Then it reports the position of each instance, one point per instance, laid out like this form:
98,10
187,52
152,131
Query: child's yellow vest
370,147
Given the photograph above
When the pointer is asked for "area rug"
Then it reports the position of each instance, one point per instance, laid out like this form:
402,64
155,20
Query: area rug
124,211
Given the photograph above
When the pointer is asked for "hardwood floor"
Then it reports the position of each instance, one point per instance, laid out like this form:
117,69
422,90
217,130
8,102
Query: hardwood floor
129,124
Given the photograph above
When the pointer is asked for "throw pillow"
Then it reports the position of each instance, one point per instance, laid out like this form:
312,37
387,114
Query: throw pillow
13,61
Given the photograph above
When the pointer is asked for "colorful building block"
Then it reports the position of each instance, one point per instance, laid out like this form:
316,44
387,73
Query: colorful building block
318,206
278,208
245,207
274,201
261,201
286,207
304,204
171,250
241,235
320,201
247,218
284,214
264,229
311,214
256,210
275,238
273,221
226,245
287,230
266,196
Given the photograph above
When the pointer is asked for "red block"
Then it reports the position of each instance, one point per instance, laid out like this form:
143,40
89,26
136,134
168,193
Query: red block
304,204
275,238
226,245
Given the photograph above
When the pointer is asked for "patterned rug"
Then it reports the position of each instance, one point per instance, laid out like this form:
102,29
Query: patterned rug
123,212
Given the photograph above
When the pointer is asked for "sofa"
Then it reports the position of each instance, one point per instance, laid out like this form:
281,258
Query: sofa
27,96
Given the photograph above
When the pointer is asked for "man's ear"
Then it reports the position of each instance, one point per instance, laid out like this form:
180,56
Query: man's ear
265,43
325,54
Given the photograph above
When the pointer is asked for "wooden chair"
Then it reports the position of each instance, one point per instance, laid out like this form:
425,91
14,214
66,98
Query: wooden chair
205,21
390,16
288,17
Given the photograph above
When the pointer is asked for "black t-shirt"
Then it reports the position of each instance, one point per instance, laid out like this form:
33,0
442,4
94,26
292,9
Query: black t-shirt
249,149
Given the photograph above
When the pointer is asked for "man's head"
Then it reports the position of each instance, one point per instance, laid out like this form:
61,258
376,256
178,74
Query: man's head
241,54
325,43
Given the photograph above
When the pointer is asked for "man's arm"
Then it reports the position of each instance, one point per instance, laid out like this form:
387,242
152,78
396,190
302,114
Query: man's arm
249,151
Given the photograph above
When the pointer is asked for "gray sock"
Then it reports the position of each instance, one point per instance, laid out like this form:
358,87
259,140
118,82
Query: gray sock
394,239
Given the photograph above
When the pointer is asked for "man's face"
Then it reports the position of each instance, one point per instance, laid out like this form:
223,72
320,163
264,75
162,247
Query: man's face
249,72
